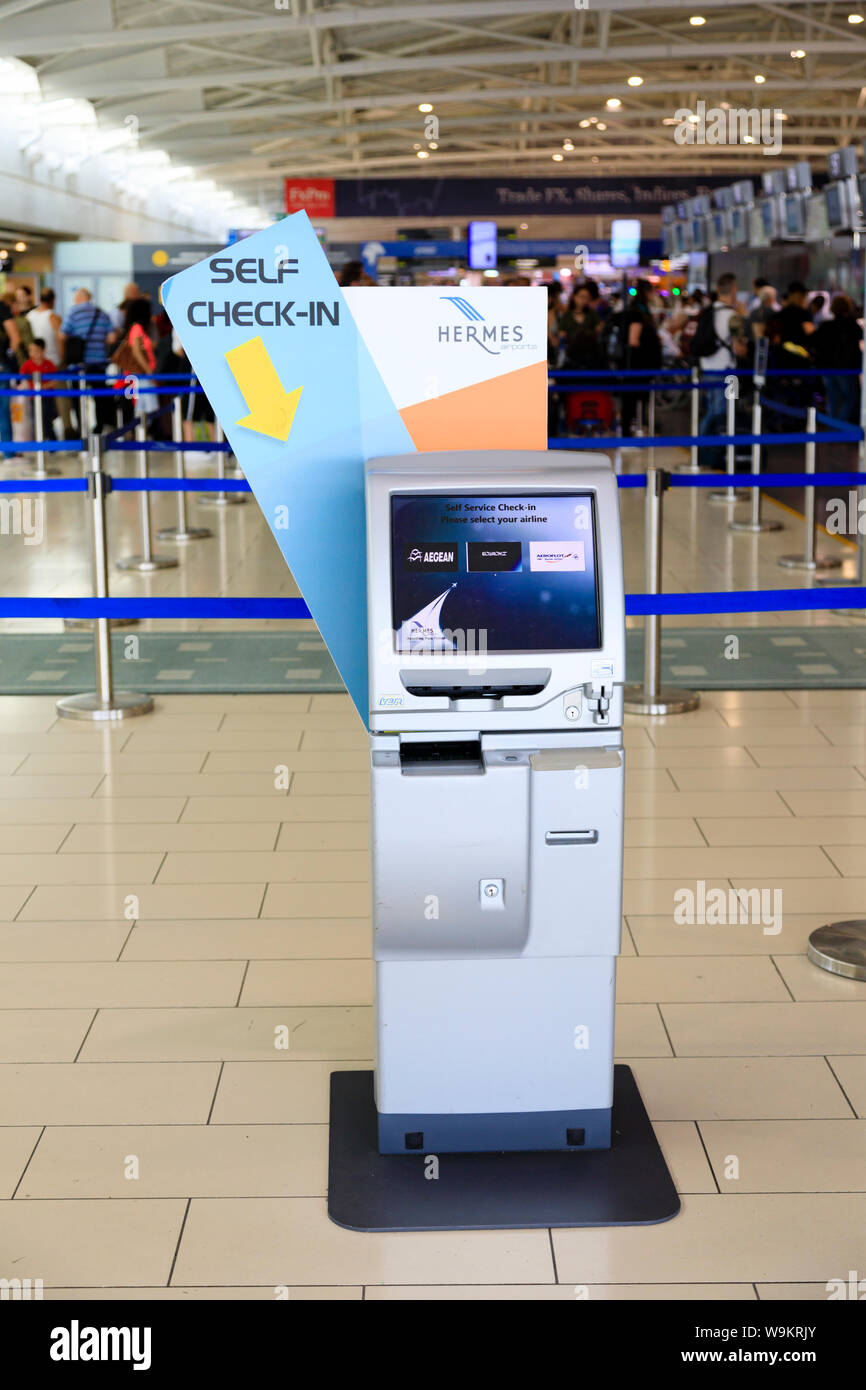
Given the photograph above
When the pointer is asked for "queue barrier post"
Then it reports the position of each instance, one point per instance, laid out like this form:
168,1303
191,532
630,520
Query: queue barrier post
221,499
146,562
651,428
652,697
809,560
693,465
182,531
756,523
39,431
105,703
729,494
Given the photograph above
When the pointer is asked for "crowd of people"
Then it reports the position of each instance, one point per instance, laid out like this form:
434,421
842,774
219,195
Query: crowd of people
640,331
129,341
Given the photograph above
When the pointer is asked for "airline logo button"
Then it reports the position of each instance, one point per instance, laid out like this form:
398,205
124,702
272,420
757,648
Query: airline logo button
430,556
557,556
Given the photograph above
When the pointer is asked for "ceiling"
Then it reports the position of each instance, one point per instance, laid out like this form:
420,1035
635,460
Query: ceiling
247,91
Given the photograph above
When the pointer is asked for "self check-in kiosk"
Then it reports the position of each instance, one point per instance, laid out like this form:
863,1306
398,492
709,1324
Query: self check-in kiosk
497,665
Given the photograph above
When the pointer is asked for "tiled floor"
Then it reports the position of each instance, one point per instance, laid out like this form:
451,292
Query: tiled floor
163,909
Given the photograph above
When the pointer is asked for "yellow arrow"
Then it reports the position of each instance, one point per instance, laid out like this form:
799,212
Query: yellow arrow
272,408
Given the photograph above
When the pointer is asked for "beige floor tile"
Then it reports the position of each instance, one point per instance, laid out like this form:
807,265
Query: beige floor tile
225,784
846,732
662,805
12,900
214,839
111,760
247,940
684,1154
644,979
648,779
646,832
765,1030
756,779
308,809
288,866
827,803
341,835
286,1240
558,1293
316,900
758,700
851,1072
43,1035
207,740
764,863
94,1243
304,760
23,788
850,860
63,869
794,756
640,1032
836,897
304,982
809,982
33,839
60,941
260,722
782,716
739,1088
118,985
334,739
53,809
110,901
232,1034
16,1145
787,1155
661,936
266,1293
268,1160
775,1237
342,784
658,895
260,1093
786,830
686,733
797,1293
107,1093
673,758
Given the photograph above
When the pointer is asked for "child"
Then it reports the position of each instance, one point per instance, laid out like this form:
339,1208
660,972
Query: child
38,363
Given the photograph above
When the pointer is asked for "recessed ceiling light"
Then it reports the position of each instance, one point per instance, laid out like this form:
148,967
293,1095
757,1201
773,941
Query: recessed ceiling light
696,20
760,78
433,145
595,159
584,125
855,19
524,226
422,154
798,52
693,119
425,106
558,157
601,126
21,246
613,103
748,139
635,81
568,146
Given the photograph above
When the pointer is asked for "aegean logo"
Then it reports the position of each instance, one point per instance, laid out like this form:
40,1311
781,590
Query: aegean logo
77,1343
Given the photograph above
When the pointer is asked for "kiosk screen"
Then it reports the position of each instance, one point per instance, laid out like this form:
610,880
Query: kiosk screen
519,568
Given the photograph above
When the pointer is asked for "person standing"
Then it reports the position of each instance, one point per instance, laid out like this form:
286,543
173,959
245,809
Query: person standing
643,349
713,346
86,329
9,340
45,323
838,343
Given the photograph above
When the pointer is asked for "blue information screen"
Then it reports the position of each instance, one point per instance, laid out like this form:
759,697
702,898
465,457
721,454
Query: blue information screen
500,572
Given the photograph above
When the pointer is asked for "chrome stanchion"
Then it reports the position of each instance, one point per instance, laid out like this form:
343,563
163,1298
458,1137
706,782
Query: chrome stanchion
755,522
39,431
652,697
729,494
86,426
182,531
809,560
693,466
146,561
105,703
651,428
840,947
222,499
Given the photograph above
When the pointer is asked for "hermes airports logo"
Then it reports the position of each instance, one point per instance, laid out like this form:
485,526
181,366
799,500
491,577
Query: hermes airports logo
492,338
431,556
557,558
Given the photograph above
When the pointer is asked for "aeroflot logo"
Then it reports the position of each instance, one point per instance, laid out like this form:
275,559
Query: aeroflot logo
490,337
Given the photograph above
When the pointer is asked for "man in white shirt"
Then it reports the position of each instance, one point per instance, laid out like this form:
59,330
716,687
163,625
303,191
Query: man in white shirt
721,359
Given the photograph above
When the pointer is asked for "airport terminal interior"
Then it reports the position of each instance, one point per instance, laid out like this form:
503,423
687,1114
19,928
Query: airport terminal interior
307,773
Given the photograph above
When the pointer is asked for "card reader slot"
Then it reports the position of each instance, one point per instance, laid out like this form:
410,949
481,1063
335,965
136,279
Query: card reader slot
454,755
474,692
571,837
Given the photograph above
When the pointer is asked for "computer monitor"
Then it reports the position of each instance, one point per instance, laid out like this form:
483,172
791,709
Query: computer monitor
838,206
794,216
739,226
482,245
520,567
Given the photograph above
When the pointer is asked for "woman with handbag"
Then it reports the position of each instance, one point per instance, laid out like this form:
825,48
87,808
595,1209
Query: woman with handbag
134,355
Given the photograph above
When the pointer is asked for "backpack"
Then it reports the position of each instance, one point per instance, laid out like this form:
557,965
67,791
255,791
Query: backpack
705,340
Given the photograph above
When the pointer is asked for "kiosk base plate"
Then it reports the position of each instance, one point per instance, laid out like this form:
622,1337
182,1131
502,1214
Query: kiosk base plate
625,1185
